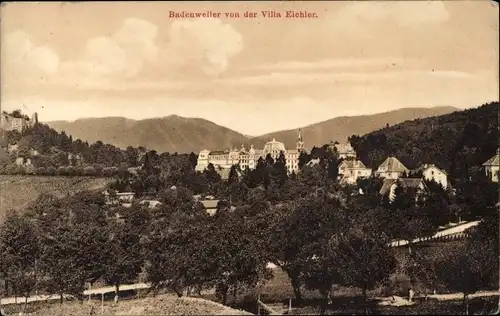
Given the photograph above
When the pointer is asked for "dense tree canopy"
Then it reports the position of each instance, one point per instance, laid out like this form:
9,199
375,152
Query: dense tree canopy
323,233
454,142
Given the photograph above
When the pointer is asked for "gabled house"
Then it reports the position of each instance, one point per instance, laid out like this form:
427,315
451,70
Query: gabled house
118,198
391,168
343,150
210,206
389,186
492,167
351,170
432,173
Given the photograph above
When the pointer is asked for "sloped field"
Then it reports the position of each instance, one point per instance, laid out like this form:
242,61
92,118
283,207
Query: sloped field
159,305
16,192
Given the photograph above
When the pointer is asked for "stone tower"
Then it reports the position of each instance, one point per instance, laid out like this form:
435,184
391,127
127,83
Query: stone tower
34,119
300,142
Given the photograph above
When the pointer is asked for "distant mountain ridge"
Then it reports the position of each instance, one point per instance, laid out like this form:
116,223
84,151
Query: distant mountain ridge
179,134
340,128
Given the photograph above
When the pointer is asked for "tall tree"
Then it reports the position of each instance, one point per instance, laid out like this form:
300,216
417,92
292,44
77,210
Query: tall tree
19,247
211,175
297,235
304,158
125,257
132,156
363,257
233,175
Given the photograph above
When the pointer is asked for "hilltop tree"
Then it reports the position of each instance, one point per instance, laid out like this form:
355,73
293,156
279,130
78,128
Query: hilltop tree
132,156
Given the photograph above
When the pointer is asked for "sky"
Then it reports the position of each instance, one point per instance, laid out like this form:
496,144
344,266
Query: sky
254,75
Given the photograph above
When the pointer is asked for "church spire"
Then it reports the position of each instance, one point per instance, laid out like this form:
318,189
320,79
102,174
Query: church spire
300,141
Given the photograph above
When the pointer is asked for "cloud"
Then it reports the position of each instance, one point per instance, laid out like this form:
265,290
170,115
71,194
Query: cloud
411,14
21,56
123,53
204,43
301,78
337,63
194,46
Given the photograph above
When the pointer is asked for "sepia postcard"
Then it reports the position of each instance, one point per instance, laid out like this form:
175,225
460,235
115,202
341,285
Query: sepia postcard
249,158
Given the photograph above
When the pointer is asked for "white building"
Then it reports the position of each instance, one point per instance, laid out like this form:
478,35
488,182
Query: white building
249,158
344,150
432,173
492,167
391,168
351,170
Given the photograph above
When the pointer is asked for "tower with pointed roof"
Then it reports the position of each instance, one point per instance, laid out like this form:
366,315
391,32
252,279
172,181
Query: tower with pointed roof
300,142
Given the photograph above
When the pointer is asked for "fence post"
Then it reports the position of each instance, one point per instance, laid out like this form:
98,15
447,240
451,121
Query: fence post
258,305
102,303
289,305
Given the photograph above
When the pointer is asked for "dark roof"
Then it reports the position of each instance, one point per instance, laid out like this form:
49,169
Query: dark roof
404,182
353,164
219,152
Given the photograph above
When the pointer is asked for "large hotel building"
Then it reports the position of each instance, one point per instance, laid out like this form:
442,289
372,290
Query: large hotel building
248,158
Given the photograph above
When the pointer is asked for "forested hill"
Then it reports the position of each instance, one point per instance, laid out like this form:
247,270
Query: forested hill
456,142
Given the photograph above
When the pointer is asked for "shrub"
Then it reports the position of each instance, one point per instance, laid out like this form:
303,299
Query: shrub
71,171
41,171
61,171
30,169
98,169
51,171
11,169
89,171
79,171
109,171
20,170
